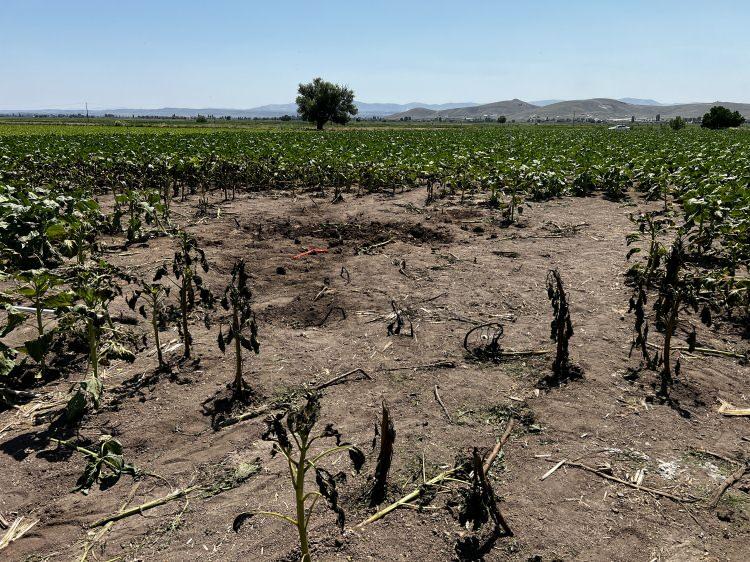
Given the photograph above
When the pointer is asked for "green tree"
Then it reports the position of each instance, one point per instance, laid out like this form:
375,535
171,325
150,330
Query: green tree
677,123
502,119
320,102
721,118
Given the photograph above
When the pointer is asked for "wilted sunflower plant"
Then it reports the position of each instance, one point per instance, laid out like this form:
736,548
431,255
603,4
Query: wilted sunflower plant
292,433
237,298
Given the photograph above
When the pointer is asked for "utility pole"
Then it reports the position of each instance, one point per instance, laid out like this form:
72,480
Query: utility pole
87,110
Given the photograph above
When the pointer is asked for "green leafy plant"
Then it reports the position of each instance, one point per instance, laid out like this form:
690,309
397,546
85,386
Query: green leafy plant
237,299
144,206
677,123
105,465
95,287
42,290
651,226
39,226
7,353
584,183
293,435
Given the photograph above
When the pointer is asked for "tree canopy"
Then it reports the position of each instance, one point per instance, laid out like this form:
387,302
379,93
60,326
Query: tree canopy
677,123
320,102
721,118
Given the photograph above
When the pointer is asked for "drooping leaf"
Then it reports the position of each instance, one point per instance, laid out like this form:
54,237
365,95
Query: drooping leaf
357,457
327,488
38,348
15,319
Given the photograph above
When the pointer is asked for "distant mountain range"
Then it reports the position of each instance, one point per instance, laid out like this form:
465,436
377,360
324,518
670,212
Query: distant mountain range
597,108
639,101
274,110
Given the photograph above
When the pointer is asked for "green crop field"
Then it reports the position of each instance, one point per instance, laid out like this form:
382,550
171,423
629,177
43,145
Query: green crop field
706,171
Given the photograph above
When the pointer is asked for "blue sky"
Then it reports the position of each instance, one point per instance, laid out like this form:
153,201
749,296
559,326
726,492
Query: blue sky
230,53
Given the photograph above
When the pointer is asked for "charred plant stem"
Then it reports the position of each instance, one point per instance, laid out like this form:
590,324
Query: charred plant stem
387,438
184,310
155,326
666,373
300,489
238,386
339,378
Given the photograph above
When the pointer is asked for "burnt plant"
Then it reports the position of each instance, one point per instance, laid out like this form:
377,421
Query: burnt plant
561,330
669,285
640,338
483,342
237,299
672,315
672,292
185,268
153,308
679,291
387,434
430,193
292,434
478,506
398,323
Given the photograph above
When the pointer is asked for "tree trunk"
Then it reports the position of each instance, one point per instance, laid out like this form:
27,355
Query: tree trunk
319,125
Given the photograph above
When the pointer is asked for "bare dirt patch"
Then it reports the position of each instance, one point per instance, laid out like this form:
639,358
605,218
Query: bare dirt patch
448,267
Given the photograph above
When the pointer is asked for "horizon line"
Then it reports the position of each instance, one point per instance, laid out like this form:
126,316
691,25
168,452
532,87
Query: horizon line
82,107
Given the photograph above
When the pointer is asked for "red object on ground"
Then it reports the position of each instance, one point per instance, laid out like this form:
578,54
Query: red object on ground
310,252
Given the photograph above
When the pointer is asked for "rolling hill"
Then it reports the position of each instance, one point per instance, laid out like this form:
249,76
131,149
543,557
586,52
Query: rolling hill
604,109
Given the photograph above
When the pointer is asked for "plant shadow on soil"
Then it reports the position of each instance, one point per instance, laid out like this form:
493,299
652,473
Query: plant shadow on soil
225,404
